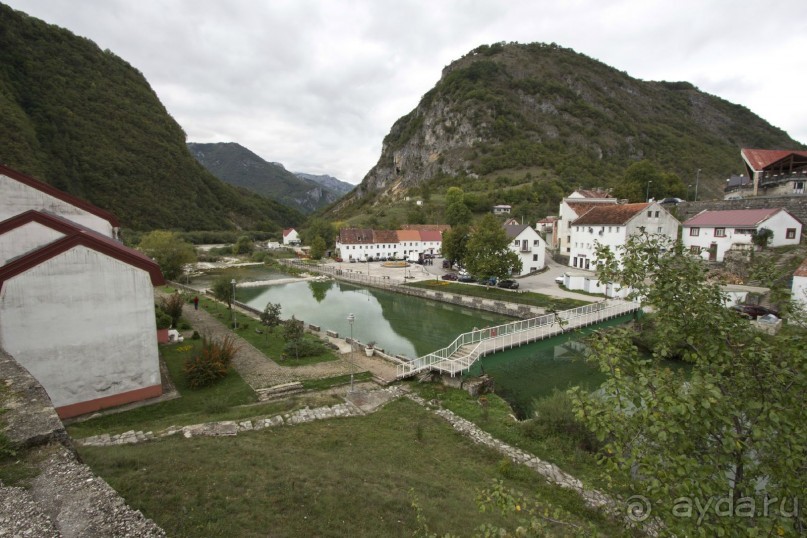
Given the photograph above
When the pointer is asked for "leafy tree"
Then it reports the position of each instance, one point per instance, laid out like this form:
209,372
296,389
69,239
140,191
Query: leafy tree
643,178
244,245
458,214
762,237
270,317
455,242
293,333
488,250
172,305
320,228
731,430
169,251
317,248
223,290
454,195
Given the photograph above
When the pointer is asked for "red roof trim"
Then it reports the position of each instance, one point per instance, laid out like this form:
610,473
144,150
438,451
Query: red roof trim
90,240
46,219
61,195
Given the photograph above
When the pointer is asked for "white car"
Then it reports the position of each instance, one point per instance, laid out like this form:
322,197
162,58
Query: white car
559,279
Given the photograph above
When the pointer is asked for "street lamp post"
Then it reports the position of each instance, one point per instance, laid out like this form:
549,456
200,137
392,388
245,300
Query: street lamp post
647,198
697,182
232,304
350,319
688,187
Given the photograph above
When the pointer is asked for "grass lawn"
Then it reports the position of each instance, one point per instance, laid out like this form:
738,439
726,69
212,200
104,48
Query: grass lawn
226,400
271,342
528,298
498,422
340,477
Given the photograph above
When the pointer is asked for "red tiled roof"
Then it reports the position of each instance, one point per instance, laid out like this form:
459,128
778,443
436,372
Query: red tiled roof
748,218
593,193
761,158
431,235
580,208
287,231
548,220
614,214
76,236
61,195
426,227
802,269
356,236
408,235
385,236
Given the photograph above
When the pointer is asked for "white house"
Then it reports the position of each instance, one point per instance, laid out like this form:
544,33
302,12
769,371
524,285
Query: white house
291,237
611,225
78,313
572,207
20,193
502,209
712,233
798,291
529,246
360,244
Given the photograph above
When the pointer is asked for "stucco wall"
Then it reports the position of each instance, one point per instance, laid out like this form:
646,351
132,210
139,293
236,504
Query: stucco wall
24,239
16,198
83,324
529,265
799,290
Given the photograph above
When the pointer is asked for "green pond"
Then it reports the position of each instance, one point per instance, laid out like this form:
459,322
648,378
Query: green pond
412,327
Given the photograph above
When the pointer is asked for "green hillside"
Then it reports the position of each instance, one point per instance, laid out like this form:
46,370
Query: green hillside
87,122
524,123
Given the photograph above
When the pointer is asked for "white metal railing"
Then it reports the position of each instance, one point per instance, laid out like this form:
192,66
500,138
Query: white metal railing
509,334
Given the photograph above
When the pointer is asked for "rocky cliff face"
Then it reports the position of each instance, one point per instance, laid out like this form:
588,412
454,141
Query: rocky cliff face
549,112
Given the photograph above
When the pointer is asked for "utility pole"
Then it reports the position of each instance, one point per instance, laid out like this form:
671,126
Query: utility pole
697,182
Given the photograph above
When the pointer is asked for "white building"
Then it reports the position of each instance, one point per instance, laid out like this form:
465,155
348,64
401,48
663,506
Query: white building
611,225
712,233
361,244
19,193
573,207
77,311
528,244
502,209
291,237
798,291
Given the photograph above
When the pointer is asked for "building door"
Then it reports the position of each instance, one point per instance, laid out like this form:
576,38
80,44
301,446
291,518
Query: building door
713,252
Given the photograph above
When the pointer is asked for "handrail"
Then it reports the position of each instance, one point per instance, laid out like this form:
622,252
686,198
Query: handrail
600,311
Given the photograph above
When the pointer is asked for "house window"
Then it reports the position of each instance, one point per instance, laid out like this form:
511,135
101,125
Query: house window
791,233
535,243
694,232
720,232
695,249
658,230
657,213
535,257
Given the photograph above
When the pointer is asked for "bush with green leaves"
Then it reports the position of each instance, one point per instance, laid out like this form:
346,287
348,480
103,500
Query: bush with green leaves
163,319
172,305
211,362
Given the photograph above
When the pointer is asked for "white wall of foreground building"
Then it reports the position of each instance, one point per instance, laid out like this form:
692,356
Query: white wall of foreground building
17,197
24,239
588,282
531,250
83,324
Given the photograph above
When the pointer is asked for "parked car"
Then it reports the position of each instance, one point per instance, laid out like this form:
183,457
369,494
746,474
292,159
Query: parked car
446,264
449,276
466,278
488,281
509,284
559,279
751,311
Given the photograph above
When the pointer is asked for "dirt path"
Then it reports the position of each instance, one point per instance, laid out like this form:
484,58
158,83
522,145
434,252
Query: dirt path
260,372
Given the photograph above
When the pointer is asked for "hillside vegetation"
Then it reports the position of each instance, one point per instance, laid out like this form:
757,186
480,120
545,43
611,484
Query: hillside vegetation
87,122
236,165
530,122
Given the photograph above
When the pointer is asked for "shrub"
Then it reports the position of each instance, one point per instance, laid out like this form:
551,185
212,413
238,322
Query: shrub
172,305
303,348
554,416
211,363
163,319
195,335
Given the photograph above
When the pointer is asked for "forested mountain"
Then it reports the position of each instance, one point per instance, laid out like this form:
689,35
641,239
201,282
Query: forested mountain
525,120
236,165
87,122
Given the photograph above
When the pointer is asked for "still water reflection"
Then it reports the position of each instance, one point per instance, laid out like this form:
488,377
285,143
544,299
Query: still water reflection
398,323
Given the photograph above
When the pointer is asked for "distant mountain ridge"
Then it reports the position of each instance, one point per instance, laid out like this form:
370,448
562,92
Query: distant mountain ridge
237,165
87,122
541,114
329,182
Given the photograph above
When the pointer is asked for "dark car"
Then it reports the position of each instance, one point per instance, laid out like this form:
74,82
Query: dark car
449,276
466,278
751,311
509,284
488,281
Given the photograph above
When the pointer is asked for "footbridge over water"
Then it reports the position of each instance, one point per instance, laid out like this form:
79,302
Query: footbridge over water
469,347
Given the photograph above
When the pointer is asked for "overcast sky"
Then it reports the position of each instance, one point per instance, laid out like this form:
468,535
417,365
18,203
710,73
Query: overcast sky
316,85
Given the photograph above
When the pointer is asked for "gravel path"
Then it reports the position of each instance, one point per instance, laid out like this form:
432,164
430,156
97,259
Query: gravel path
260,372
